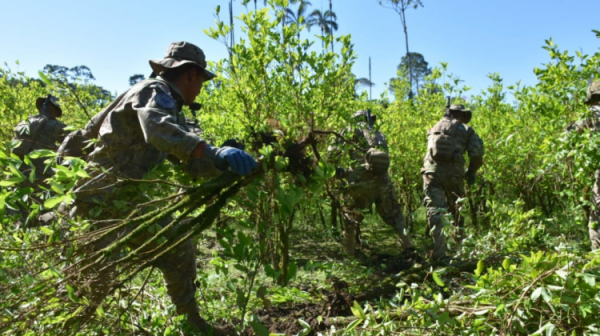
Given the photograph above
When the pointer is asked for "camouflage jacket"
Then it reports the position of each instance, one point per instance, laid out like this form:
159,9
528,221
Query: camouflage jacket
144,128
466,140
592,122
358,172
38,132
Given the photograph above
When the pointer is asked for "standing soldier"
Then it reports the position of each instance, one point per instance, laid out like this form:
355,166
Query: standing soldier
135,133
40,131
368,182
593,124
444,170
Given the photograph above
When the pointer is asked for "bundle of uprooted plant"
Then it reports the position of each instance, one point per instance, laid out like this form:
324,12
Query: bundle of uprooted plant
59,296
61,293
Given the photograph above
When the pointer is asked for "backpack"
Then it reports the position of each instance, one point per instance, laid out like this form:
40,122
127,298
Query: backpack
76,144
27,133
377,160
442,143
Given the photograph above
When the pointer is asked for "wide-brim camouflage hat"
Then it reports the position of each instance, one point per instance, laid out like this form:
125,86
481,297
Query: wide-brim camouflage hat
180,53
362,113
39,103
593,93
459,107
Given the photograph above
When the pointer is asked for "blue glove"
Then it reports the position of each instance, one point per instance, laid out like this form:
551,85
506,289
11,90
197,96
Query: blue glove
239,161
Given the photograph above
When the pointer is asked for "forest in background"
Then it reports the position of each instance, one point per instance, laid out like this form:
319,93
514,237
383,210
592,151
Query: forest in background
272,263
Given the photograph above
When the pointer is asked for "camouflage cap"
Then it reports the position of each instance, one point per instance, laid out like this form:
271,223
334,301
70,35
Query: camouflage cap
459,107
50,99
180,53
593,93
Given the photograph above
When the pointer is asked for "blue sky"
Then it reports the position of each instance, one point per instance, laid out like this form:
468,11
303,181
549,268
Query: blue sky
476,37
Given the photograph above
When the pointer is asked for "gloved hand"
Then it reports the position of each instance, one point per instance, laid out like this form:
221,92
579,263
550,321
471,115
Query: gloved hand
234,143
470,177
239,161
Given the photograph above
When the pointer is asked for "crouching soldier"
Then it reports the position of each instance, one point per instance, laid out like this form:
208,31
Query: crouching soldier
368,183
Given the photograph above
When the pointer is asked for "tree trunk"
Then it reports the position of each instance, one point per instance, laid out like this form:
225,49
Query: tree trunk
331,28
410,71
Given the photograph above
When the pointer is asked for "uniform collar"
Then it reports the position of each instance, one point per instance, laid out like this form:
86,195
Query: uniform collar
174,90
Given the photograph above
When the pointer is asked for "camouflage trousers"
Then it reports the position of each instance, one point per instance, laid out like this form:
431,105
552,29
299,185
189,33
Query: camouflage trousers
594,223
360,195
441,192
178,267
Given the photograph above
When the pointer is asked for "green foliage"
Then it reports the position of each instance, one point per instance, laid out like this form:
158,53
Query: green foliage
532,198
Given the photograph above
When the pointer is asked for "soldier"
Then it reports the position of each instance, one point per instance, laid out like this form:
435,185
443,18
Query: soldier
137,131
593,124
40,131
368,182
444,170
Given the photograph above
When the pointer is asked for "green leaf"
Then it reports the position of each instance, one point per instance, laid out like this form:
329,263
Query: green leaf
292,271
40,153
304,324
443,318
506,264
358,311
45,79
100,311
11,181
71,293
53,202
536,293
480,268
46,230
353,325
240,299
259,328
55,272
437,279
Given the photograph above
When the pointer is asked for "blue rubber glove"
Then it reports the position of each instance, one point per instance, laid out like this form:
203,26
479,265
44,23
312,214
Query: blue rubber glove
239,161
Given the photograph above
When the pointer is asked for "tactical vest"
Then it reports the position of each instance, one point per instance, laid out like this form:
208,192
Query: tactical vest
377,158
442,140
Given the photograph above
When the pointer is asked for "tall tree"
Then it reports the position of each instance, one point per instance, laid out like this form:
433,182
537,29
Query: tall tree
363,82
416,63
418,66
331,11
76,84
400,7
326,21
135,79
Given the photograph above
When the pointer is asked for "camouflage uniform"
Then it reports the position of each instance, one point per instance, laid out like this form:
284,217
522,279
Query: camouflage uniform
41,131
365,188
139,132
593,124
443,182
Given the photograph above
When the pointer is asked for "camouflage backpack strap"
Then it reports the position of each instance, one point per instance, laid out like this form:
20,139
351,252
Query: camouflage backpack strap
367,135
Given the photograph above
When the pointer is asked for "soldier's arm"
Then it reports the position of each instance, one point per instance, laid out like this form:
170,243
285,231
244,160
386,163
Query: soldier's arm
157,113
475,150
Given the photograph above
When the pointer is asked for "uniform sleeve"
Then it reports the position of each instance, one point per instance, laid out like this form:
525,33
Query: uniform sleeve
474,144
158,115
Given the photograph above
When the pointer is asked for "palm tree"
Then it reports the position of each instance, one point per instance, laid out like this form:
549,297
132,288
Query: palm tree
326,21
264,3
300,12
